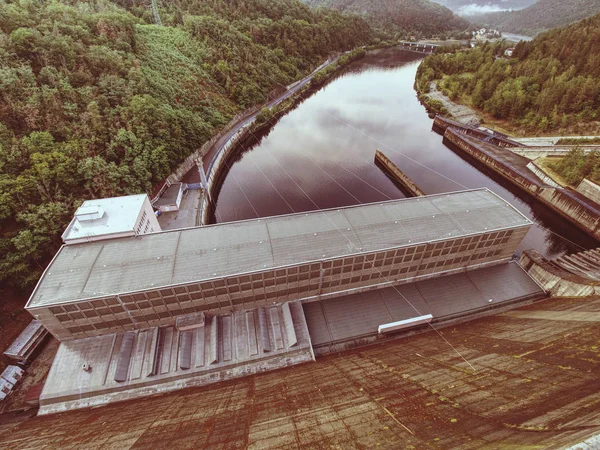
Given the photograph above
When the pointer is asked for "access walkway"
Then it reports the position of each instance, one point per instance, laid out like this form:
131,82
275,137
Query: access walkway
336,324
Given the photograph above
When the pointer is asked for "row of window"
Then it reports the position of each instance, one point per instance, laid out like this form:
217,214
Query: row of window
157,310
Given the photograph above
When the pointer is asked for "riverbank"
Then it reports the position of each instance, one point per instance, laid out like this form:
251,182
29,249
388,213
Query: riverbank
494,153
217,167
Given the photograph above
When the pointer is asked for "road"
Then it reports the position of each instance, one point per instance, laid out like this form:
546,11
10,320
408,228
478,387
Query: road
209,158
547,141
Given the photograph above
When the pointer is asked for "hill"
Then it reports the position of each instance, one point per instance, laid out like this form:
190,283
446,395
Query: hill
96,101
420,17
541,16
550,83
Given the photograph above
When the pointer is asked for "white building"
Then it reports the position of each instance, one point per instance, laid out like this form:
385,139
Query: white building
109,218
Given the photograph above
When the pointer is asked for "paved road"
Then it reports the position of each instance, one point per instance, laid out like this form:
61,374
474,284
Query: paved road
547,141
207,160
187,214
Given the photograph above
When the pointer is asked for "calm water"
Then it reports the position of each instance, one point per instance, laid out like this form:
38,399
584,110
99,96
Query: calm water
321,155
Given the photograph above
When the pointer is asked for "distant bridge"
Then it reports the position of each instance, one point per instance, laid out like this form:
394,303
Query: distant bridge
419,47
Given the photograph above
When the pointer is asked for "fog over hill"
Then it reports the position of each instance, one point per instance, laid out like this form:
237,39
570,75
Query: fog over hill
473,7
542,15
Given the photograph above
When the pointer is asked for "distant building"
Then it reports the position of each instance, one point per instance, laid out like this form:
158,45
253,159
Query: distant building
509,52
484,34
110,218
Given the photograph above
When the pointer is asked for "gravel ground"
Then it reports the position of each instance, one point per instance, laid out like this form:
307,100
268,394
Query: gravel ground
461,113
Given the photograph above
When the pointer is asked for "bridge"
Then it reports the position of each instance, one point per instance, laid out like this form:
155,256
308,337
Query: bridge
419,47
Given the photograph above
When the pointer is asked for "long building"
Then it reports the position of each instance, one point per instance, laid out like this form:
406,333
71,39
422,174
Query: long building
148,280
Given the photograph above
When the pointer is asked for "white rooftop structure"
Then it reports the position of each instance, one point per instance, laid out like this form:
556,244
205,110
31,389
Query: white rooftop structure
108,218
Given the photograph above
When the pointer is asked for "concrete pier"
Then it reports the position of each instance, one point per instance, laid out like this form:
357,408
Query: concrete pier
572,205
407,185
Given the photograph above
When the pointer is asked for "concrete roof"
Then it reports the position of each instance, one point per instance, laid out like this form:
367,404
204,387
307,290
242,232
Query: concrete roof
169,197
229,346
534,384
354,317
97,269
117,215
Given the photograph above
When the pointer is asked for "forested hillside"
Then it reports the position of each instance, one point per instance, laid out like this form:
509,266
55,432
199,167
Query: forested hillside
421,18
550,83
541,16
97,101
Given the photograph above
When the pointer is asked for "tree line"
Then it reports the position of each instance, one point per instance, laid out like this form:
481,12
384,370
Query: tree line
549,84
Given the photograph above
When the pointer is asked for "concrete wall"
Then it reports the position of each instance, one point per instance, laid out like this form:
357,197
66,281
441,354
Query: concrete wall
546,178
590,189
535,152
408,184
554,280
499,139
150,217
497,166
216,167
561,200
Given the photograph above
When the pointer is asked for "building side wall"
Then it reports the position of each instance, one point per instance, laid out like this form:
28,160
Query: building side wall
147,221
160,306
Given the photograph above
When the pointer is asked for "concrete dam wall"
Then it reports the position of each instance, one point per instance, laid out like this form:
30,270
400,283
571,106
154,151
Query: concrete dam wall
569,203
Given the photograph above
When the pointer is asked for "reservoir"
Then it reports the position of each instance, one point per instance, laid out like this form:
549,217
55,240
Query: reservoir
321,155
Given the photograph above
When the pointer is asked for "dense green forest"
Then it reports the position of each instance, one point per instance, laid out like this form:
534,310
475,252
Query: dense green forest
550,83
406,18
541,16
578,165
96,101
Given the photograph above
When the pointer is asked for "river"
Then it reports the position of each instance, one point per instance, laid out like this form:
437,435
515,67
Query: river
321,155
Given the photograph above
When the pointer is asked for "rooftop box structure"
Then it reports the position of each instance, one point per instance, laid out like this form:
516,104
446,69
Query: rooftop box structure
27,342
171,199
138,282
110,218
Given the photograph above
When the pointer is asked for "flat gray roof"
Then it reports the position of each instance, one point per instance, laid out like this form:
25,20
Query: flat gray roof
169,197
103,268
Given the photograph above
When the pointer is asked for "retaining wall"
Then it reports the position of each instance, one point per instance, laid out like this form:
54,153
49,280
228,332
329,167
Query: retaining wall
539,172
590,189
493,137
554,280
529,184
192,160
408,184
565,201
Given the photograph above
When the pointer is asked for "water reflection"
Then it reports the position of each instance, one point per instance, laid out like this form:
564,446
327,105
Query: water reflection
321,155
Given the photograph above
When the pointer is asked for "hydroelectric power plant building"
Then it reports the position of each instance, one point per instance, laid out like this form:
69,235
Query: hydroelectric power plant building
149,280
162,311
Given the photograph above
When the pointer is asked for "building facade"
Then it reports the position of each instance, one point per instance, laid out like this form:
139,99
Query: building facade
150,280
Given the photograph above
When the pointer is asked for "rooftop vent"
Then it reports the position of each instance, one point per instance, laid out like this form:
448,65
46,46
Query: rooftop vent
87,213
